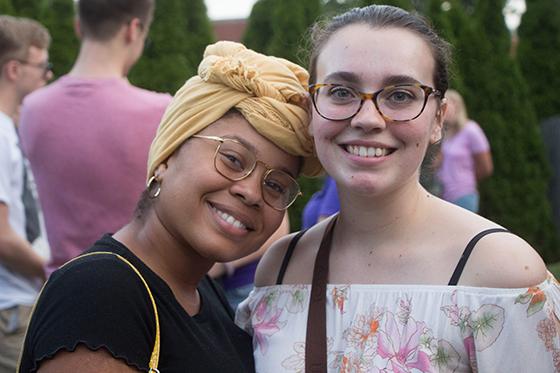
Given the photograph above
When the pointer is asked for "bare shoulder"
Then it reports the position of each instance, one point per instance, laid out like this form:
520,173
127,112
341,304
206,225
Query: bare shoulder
504,260
85,360
300,267
271,261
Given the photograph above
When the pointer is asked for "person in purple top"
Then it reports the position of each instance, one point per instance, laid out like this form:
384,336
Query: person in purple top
466,157
321,205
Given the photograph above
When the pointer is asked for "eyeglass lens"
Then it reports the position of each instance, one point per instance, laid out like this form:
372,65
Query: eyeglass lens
401,102
235,161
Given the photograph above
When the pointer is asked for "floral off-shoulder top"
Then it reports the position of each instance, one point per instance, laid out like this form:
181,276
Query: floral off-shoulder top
410,328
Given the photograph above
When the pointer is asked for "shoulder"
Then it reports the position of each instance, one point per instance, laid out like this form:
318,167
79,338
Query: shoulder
271,261
300,267
474,131
94,280
156,99
504,260
97,301
500,259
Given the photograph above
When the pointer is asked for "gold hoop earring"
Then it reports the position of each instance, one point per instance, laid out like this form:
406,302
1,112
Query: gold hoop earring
149,186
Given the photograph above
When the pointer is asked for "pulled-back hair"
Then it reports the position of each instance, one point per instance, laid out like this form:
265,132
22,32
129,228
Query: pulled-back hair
383,16
17,35
101,19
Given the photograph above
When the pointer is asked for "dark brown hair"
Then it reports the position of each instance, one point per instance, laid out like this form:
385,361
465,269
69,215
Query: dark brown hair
101,19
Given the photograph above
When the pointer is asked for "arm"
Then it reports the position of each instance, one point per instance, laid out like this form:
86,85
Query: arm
484,167
15,252
86,361
220,269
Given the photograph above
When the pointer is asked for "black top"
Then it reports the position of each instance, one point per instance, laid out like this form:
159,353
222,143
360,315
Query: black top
98,301
452,281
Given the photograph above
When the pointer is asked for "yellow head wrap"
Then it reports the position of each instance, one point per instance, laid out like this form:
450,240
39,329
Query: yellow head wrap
268,91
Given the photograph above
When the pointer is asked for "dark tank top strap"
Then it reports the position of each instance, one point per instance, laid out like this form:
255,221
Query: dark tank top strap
288,256
468,250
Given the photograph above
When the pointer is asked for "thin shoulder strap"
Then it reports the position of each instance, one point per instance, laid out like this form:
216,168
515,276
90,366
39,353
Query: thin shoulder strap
288,256
468,250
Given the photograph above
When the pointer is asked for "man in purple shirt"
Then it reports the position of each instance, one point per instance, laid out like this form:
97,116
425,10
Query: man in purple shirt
87,135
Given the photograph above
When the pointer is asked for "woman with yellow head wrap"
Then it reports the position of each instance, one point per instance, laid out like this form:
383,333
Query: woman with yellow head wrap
221,174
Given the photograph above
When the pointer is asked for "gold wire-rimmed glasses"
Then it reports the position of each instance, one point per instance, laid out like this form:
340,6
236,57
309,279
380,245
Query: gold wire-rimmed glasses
235,161
397,103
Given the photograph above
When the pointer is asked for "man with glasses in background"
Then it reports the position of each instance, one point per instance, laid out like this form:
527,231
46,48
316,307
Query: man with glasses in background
24,64
87,135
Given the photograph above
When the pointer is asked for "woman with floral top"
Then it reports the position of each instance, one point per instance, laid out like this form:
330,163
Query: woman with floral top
411,283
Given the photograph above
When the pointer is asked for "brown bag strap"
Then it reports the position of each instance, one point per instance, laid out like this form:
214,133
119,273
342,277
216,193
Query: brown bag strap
316,338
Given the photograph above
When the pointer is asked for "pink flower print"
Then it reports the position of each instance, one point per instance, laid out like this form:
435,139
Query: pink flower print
266,322
471,353
547,331
400,343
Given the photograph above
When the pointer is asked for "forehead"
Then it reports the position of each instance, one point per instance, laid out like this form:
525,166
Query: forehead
375,55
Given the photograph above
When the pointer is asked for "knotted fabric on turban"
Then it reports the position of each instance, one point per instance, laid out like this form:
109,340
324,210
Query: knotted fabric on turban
268,91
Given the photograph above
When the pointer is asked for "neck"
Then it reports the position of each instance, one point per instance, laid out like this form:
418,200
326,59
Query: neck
179,266
101,60
9,100
369,220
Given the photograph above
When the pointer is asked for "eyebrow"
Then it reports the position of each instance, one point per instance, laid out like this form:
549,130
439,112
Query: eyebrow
353,78
254,150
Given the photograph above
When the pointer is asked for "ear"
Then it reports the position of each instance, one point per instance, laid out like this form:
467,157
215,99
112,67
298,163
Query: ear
134,30
437,130
10,70
160,171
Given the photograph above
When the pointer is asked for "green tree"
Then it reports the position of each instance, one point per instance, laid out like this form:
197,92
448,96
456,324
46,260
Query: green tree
259,26
6,7
538,54
497,97
178,35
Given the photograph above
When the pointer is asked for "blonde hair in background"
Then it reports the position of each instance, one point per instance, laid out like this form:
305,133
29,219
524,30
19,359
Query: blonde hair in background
459,109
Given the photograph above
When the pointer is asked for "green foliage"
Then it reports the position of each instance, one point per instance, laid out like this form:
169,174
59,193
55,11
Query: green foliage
178,35
497,97
6,7
278,27
259,26
539,56
449,24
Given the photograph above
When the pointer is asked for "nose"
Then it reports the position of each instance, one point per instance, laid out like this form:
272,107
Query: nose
368,118
249,190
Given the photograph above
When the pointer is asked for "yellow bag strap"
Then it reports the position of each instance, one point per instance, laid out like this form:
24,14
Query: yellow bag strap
154,358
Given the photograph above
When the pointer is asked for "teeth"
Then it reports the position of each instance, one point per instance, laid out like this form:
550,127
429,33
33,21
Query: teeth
229,219
366,151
